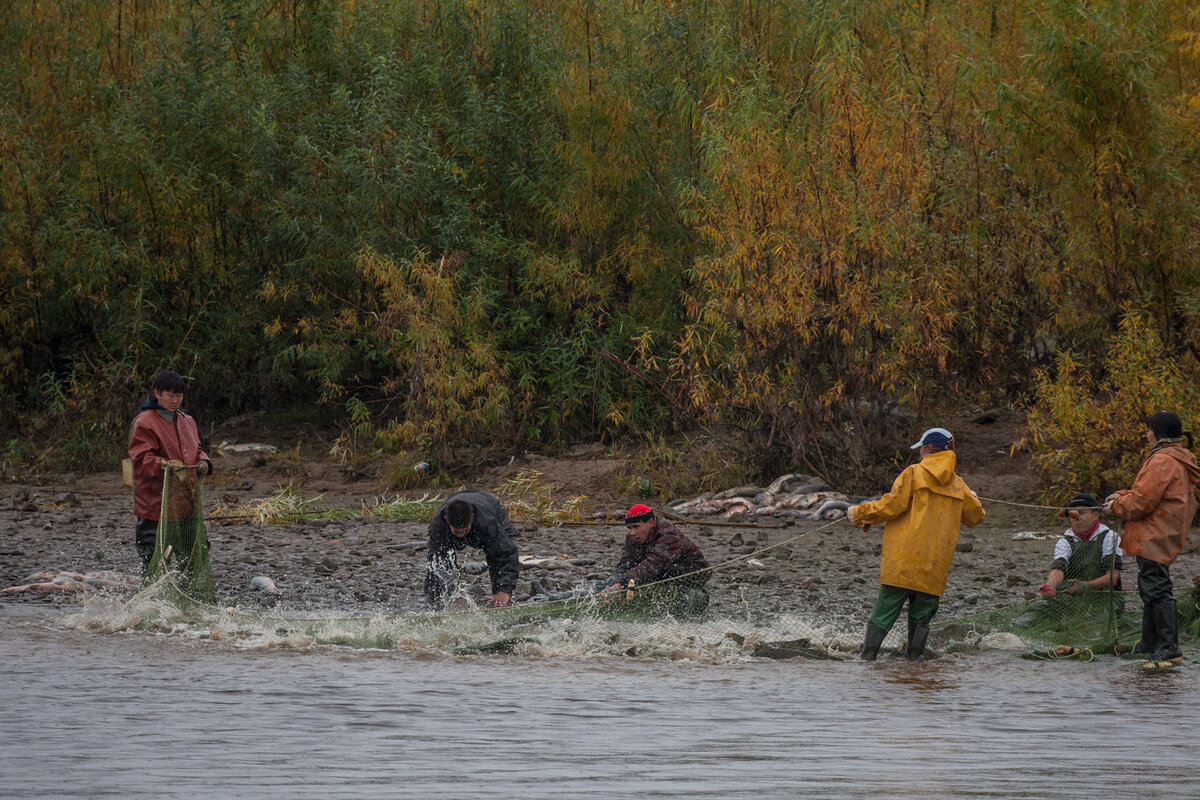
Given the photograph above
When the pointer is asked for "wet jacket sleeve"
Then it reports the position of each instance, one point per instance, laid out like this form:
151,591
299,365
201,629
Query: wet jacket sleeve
439,539
891,505
496,540
145,451
1147,492
629,558
972,512
663,551
502,561
440,577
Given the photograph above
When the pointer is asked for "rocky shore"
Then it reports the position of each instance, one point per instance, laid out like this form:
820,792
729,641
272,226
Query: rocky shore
806,563
364,564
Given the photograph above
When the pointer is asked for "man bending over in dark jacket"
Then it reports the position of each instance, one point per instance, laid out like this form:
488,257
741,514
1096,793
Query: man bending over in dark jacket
476,518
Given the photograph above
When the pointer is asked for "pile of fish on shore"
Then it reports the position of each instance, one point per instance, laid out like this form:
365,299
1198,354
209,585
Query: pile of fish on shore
795,496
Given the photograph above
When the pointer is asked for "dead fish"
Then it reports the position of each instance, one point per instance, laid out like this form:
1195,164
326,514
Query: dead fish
548,562
740,491
795,648
783,483
263,584
717,506
689,505
414,546
65,581
36,577
57,585
807,500
832,509
539,593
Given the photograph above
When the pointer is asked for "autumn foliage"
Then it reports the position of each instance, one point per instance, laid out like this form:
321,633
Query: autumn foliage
809,226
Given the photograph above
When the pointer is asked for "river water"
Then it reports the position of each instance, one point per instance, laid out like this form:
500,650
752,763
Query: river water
94,708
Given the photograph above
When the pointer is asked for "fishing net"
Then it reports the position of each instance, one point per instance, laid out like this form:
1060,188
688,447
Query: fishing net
181,544
782,590
752,599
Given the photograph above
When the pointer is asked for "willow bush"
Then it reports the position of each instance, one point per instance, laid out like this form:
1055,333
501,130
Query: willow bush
1088,434
809,227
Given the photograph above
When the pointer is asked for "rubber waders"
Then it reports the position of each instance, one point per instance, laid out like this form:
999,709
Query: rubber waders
875,637
1165,619
917,636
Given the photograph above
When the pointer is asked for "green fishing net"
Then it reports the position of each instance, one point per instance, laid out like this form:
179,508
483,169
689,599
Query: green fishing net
181,545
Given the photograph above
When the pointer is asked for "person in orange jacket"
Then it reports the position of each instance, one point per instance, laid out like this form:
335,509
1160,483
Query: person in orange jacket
922,515
1158,513
162,435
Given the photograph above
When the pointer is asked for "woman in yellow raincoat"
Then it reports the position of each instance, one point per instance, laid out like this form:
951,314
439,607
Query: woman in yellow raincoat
922,515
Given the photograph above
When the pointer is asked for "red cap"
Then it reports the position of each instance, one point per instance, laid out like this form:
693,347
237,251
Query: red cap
639,513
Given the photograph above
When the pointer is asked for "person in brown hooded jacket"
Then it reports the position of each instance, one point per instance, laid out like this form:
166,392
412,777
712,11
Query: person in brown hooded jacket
1158,513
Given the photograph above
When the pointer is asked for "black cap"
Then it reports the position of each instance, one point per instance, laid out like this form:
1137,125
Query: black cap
1083,500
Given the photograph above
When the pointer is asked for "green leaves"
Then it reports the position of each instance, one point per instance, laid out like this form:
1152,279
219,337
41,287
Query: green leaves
559,221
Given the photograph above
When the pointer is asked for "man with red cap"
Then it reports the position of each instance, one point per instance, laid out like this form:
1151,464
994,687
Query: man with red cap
656,551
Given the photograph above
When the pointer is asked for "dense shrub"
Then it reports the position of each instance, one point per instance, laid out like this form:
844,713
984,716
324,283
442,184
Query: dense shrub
1088,434
810,227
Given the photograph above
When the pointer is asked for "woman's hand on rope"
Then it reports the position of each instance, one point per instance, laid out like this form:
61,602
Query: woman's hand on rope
866,526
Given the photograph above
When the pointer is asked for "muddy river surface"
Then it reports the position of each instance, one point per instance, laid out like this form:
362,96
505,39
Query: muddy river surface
99,713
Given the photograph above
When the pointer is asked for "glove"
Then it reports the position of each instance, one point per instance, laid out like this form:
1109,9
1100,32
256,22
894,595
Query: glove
1046,589
1074,587
866,526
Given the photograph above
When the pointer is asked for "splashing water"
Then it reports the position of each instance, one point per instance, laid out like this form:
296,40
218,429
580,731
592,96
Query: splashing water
537,630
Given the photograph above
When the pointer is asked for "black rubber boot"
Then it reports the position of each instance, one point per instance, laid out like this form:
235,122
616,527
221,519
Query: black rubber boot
1149,633
145,536
875,637
917,636
1165,619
